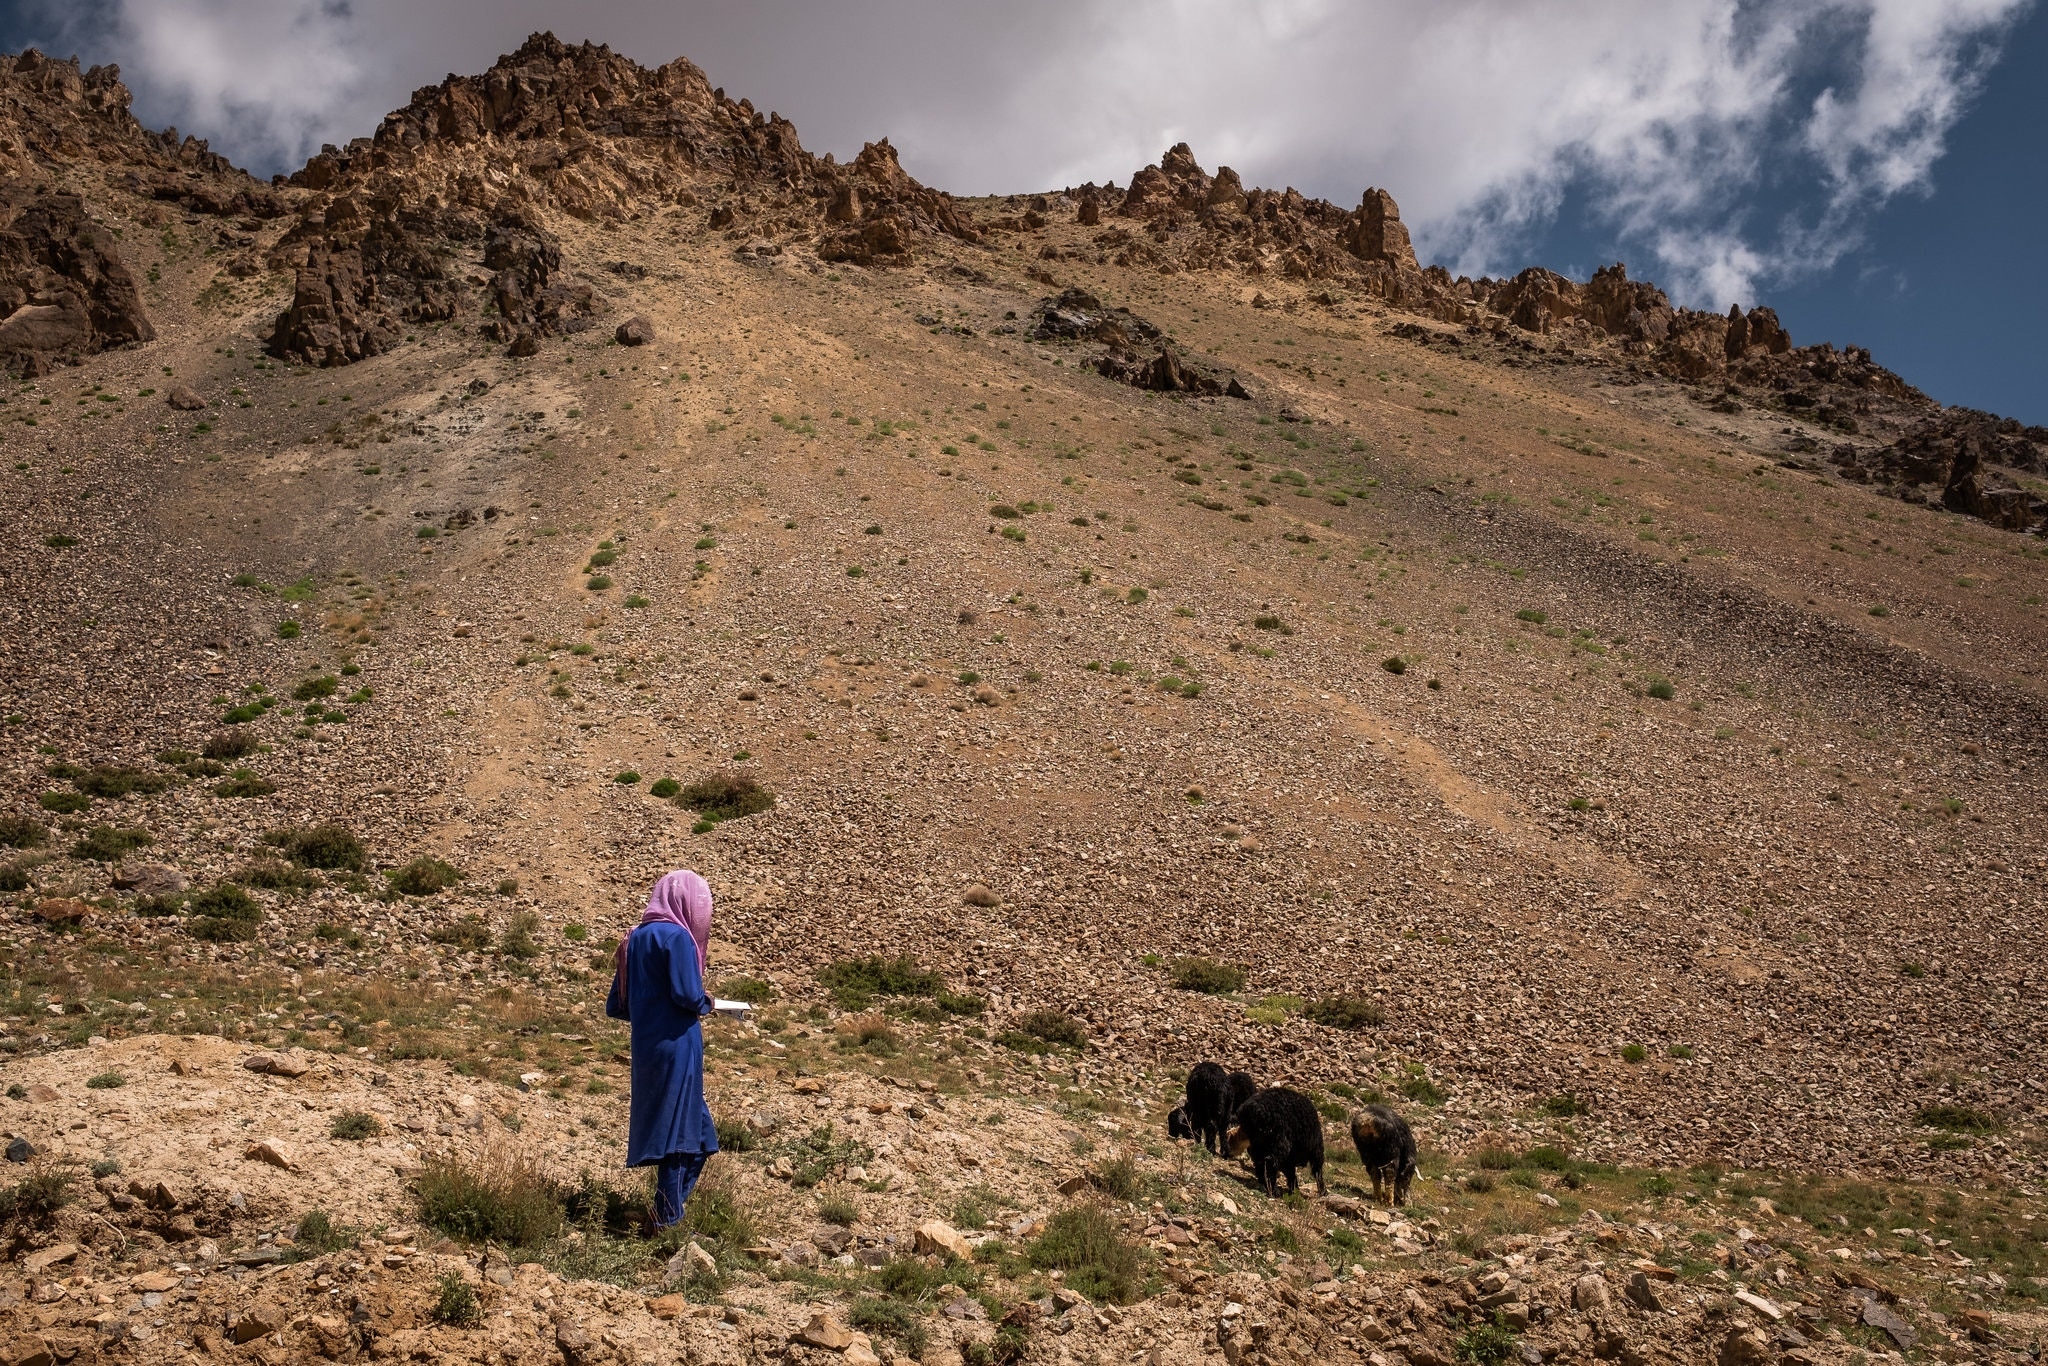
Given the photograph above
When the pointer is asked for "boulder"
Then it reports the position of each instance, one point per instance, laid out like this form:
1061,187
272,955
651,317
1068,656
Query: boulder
183,399
272,1151
62,910
938,1236
64,290
257,1321
637,330
1377,233
825,1331
150,879
1590,1294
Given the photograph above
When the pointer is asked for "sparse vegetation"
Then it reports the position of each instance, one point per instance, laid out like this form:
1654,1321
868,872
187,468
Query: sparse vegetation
1205,975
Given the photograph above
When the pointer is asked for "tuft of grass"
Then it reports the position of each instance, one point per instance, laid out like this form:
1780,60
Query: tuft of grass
1117,1178
1422,1091
518,940
1487,1344
1206,976
1084,1242
1565,1105
242,783
1394,664
22,832
501,1195
471,932
105,1081
838,1209
1661,688
36,1198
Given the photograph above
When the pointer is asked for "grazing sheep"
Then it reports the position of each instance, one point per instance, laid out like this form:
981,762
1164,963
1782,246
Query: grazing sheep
1386,1145
1178,1125
1282,1131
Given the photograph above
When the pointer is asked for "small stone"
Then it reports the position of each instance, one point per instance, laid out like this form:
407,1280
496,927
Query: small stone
1590,1295
259,1320
800,1254
1756,1302
1073,1185
807,1086
825,1331
153,1282
668,1306
858,1355
20,1150
1644,1296
272,1151
530,1081
40,1094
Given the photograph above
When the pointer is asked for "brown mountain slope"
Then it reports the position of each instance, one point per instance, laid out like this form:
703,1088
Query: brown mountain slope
1628,782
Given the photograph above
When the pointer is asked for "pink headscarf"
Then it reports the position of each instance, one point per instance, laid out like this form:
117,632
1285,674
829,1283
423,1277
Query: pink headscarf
682,899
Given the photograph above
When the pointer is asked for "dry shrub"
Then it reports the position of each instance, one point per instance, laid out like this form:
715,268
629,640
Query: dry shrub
499,1195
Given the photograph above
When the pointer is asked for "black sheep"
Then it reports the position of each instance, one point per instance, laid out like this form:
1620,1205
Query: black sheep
1177,1123
1386,1145
1207,1109
1282,1131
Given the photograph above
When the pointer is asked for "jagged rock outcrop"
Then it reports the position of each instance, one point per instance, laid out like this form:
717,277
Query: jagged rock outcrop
1965,460
585,131
64,291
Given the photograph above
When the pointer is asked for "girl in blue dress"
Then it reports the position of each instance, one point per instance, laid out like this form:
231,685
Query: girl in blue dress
658,984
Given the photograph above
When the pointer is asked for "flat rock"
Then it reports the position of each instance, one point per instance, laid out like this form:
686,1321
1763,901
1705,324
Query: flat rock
150,879
62,910
55,1255
277,1064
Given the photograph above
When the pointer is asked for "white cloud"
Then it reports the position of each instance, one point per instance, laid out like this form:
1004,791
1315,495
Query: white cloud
1683,124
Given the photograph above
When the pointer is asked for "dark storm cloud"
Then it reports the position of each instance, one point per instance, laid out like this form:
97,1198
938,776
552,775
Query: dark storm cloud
1478,114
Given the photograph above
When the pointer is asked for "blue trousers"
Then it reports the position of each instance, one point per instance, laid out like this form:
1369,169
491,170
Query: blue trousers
674,1179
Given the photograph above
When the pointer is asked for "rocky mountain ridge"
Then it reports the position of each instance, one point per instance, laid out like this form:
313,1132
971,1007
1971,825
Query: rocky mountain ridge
438,218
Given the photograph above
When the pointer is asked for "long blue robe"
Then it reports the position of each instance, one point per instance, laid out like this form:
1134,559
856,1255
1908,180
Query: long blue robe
663,995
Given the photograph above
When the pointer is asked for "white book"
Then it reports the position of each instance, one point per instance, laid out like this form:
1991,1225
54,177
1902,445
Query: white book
737,1009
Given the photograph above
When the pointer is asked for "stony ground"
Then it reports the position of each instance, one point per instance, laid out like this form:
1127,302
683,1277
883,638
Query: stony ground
1698,825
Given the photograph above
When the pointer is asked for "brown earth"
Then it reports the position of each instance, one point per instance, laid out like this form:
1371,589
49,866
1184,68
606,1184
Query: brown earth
1508,659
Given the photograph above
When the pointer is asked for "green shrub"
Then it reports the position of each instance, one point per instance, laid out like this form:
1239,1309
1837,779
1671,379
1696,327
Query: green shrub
626,778
1633,1052
234,742
1533,615
856,982
354,1125
105,1081
1204,975
456,1303
17,876
1661,689
518,940
105,844
1394,664
468,932
1347,1012
1055,1028
36,1198
244,782
331,846
1422,1091
1959,1119
959,1003
1564,1105
1545,1157
319,1234
665,788
117,781
22,832
499,1196
1083,1241
1487,1344
326,685
752,990
837,1209
64,803
423,876
724,797
273,876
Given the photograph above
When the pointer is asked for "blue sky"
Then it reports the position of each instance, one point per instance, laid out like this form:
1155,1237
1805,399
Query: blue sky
1876,170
